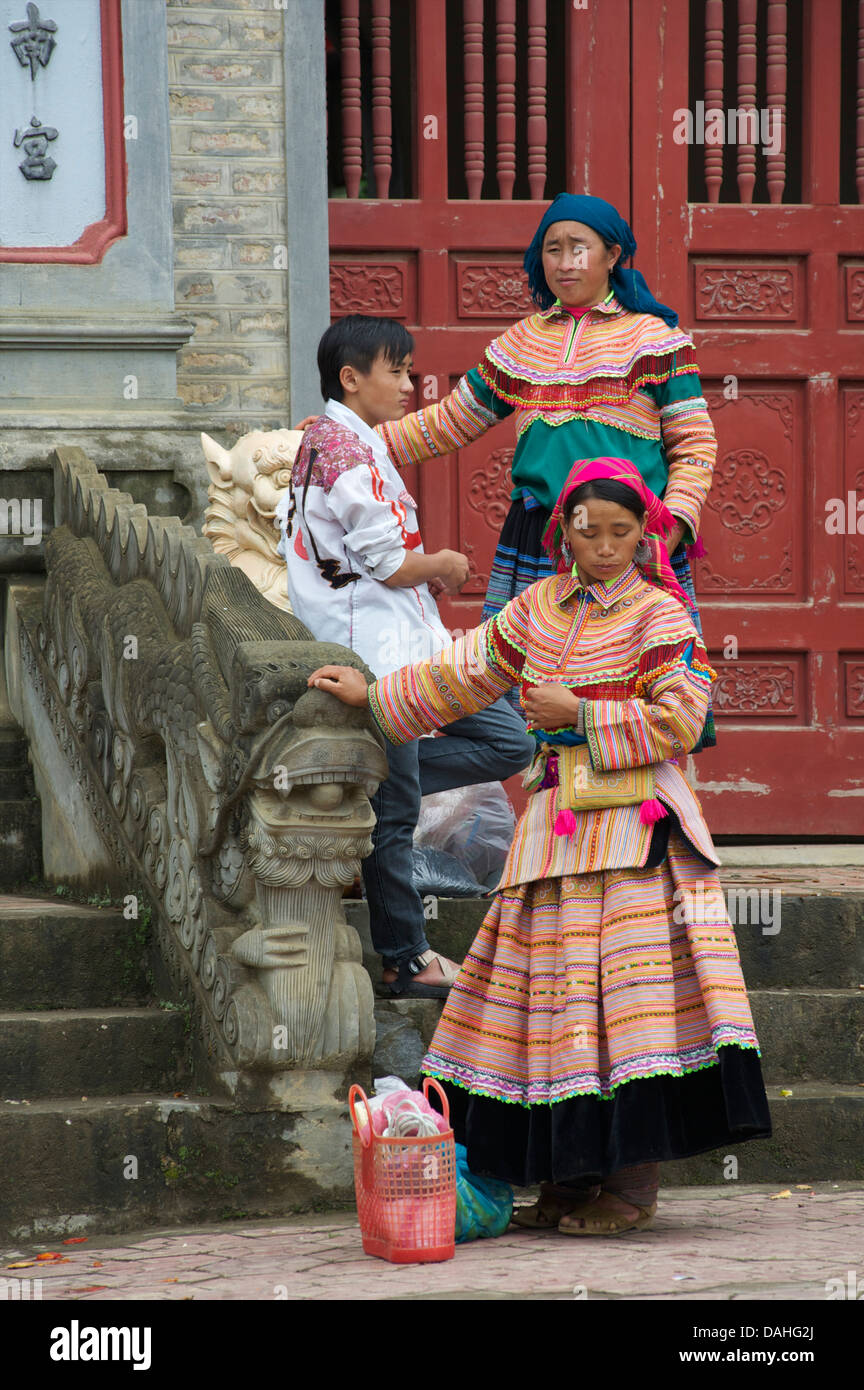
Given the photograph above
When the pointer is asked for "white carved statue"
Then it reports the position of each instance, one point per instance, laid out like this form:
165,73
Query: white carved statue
246,483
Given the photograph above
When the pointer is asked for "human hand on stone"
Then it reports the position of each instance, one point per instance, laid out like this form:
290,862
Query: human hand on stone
345,682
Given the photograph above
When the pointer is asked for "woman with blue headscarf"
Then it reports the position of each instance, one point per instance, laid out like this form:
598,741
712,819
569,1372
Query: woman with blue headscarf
600,370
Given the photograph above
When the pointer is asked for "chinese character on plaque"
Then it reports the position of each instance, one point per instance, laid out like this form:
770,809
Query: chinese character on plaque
35,40
38,163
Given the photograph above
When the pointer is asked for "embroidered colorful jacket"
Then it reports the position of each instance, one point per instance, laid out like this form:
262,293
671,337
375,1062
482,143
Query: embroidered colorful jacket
610,383
347,523
631,652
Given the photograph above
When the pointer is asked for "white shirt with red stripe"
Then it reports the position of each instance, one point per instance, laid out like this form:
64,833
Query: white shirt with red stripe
351,515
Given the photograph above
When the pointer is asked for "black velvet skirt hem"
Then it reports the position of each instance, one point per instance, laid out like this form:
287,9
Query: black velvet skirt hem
647,1120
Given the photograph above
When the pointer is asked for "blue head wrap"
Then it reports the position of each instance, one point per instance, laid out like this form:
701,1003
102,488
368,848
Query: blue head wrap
629,285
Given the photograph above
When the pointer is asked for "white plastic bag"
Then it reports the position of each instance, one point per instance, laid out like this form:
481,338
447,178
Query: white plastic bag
396,1111
474,824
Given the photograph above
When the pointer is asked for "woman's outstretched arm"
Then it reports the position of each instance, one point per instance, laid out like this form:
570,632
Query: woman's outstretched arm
464,678
690,445
460,418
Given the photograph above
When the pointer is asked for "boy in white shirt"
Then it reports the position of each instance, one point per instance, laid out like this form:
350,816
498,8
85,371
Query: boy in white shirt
358,575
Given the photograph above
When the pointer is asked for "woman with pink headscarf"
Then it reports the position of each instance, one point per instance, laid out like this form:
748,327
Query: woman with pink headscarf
599,1024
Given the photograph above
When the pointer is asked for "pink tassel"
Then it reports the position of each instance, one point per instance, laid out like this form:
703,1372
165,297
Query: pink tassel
565,823
651,811
697,549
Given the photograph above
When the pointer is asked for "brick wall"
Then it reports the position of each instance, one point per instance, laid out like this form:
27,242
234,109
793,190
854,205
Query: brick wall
228,185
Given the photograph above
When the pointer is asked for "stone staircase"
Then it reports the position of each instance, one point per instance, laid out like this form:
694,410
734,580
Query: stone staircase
101,1129
806,987
100,1126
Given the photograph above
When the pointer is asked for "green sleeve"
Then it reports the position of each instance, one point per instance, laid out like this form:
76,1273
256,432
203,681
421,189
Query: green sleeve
685,387
486,396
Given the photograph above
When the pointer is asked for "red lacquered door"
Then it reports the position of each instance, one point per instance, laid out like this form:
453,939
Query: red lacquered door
452,122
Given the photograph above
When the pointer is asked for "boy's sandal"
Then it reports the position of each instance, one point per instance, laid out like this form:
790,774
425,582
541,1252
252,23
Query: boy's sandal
405,986
546,1213
588,1221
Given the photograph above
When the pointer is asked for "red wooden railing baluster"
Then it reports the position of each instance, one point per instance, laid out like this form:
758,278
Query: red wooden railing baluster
352,116
430,145
775,91
474,148
746,95
713,92
536,126
382,119
859,123
505,82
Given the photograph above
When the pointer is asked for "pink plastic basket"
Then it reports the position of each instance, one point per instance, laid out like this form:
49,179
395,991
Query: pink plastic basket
406,1189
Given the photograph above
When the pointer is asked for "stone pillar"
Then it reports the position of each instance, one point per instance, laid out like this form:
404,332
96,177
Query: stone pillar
308,237
249,178
228,138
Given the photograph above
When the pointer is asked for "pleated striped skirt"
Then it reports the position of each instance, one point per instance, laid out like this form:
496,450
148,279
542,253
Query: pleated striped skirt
601,1020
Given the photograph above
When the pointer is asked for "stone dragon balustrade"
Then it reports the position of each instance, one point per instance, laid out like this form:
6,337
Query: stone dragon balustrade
235,795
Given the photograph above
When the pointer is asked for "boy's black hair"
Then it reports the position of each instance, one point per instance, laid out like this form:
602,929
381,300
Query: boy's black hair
607,490
357,341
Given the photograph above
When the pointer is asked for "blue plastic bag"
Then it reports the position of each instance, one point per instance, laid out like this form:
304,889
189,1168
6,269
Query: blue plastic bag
484,1206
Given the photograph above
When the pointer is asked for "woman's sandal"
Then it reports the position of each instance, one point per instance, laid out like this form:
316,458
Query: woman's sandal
587,1220
547,1212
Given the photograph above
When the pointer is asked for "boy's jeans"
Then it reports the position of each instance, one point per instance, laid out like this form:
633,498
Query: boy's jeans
484,747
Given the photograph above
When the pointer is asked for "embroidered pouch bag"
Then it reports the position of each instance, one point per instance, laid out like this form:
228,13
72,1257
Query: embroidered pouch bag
582,788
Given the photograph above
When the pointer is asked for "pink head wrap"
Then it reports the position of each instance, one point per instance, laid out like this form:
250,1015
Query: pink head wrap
656,567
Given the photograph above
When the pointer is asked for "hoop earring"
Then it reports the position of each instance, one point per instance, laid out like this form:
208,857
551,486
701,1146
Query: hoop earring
642,552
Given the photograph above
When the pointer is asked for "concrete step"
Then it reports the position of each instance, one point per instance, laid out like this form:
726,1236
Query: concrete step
16,784
810,1034
13,750
90,1052
16,774
404,1029
817,1137
58,955
126,1162
805,855
820,941
20,840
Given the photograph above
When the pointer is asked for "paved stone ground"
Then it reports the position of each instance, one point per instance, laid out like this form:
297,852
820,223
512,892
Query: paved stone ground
709,1243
